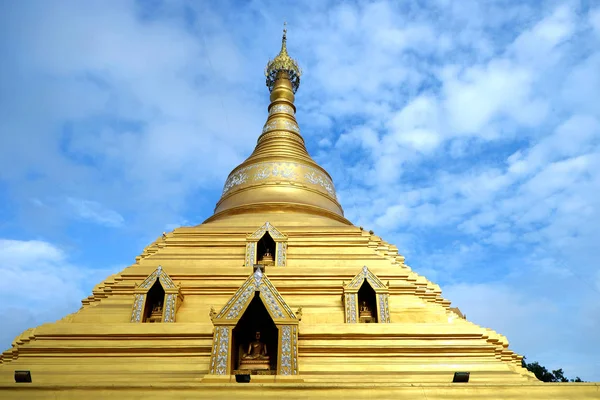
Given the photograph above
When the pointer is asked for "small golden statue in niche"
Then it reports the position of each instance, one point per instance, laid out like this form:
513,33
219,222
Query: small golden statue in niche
267,259
365,314
256,357
156,314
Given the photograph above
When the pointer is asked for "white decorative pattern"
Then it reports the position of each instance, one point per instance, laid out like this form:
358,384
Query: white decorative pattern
274,291
281,253
284,108
260,231
250,253
283,170
382,313
149,281
381,309
241,302
351,308
269,125
220,353
231,300
170,300
288,334
285,124
170,308
258,275
291,126
269,296
289,171
159,273
236,179
138,305
351,296
387,308
270,301
286,350
167,283
295,349
275,234
318,179
369,276
372,281
267,227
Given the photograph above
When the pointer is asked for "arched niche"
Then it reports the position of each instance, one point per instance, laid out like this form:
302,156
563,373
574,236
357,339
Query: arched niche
147,296
255,318
265,237
233,326
365,286
155,298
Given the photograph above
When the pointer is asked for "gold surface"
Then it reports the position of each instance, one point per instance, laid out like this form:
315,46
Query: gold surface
280,171
104,350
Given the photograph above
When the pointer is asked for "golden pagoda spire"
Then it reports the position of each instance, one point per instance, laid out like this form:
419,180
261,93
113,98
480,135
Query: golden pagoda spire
283,62
280,173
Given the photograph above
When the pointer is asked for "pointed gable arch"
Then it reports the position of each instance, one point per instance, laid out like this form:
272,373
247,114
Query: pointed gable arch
285,320
351,296
172,300
359,278
280,245
257,282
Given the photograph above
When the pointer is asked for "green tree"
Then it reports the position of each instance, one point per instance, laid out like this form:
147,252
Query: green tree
544,375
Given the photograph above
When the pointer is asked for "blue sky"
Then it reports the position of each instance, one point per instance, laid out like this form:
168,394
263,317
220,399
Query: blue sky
465,132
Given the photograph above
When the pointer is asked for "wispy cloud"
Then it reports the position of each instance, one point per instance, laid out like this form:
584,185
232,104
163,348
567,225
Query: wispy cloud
40,285
95,212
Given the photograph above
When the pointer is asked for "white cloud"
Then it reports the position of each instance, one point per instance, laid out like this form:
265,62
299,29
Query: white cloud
537,46
39,285
140,102
509,312
416,124
95,212
478,95
573,137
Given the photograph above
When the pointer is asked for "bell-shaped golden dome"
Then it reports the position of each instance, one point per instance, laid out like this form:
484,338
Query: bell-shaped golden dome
280,175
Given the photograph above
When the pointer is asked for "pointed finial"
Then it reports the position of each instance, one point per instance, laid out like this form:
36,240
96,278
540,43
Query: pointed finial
283,62
284,38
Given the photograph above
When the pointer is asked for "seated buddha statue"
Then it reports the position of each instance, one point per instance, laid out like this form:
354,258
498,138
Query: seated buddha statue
364,312
267,259
156,313
256,357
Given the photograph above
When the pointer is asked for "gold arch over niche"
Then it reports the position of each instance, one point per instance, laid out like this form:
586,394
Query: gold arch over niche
172,301
283,317
280,245
382,293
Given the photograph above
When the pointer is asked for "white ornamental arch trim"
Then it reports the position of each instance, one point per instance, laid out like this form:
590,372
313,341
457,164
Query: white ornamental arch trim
283,317
382,294
281,242
172,300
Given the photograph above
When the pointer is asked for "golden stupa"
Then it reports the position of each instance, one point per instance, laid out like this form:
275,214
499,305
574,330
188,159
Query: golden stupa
278,287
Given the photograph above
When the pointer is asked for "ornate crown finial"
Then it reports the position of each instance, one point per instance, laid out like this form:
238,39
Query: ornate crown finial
283,62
